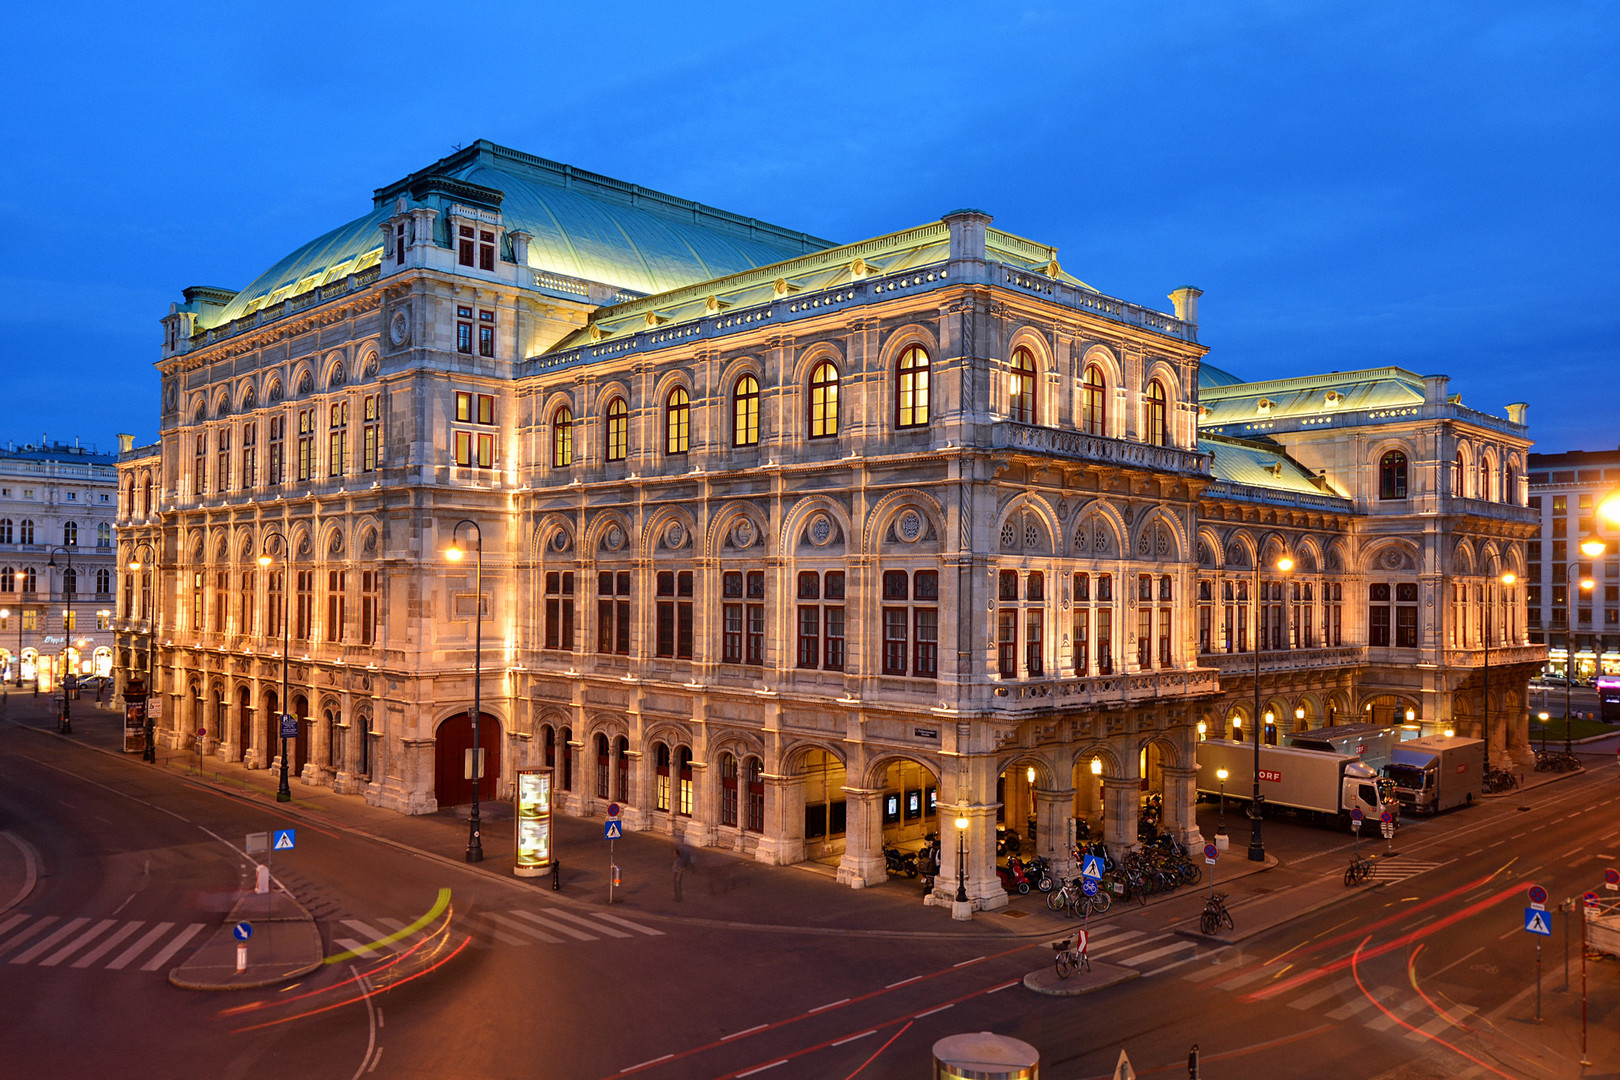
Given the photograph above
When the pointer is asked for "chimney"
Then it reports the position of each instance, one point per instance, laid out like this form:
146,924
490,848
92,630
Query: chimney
1516,412
1186,301
1434,389
126,443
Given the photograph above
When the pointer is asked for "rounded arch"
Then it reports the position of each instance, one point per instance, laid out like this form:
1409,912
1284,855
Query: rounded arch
890,506
809,357
727,518
544,542
198,408
367,535
1463,561
872,776
1307,554
222,402
795,752
302,378
1170,751
1112,764
1028,502
657,524
1391,461
246,396
738,366
1462,466
1211,553
1100,532
368,360
452,736
552,400
336,371
273,390
901,338
598,529
739,744
803,512
1160,537
1391,555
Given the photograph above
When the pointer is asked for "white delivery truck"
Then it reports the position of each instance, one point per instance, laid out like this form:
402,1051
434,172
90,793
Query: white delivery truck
1371,743
1320,783
1437,772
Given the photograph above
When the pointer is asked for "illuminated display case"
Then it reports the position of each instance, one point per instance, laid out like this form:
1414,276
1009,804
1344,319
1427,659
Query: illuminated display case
533,832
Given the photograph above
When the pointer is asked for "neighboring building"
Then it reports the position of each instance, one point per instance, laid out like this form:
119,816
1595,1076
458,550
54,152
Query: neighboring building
58,505
785,547
1565,491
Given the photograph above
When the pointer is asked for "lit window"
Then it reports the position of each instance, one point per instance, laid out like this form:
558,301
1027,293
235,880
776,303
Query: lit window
562,437
1021,392
824,400
677,422
911,388
1094,402
486,333
464,330
745,412
1154,430
618,429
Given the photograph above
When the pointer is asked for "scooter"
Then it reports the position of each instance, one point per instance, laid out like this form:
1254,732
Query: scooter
1013,876
896,861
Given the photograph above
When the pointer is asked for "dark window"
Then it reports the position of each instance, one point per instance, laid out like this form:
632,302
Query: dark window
466,247
464,329
560,609
613,612
1392,476
1021,392
673,636
486,333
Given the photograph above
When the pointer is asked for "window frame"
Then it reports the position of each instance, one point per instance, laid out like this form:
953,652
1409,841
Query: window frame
912,376
822,401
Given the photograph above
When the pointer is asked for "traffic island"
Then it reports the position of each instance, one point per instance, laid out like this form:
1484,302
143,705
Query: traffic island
1086,981
282,942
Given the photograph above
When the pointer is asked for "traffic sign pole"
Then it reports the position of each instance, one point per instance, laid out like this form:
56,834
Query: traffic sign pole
613,868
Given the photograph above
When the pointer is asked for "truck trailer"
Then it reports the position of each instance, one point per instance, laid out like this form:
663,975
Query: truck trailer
1324,784
1437,772
1372,743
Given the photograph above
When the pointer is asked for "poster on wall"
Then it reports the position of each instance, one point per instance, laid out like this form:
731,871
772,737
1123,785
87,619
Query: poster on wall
533,813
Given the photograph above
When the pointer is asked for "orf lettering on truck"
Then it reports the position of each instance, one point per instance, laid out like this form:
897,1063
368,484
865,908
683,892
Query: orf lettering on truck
1274,775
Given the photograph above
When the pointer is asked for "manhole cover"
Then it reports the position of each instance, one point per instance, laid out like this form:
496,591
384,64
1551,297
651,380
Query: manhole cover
1014,913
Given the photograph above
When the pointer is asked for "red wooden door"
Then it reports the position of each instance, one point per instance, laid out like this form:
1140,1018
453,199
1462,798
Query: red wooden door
450,786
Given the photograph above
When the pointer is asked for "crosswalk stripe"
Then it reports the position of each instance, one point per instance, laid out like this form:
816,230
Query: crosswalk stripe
558,913
140,946
544,920
173,947
29,931
367,932
78,943
1361,1004
109,944
351,945
499,935
1123,942
1386,1020
1440,1023
1316,997
649,931
1208,971
522,928
27,955
5,927
1243,980
1142,958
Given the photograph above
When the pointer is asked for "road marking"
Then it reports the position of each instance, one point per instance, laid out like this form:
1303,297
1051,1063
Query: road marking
1242,980
829,1005
27,956
1142,958
30,931
649,931
512,924
852,1038
1349,1009
1004,986
373,945
140,946
501,935
78,943
1476,851
1317,997
9,923
761,1069
1440,1023
902,982
559,913
1214,968
965,963
931,1012
577,935
750,1031
173,947
109,944
1386,1020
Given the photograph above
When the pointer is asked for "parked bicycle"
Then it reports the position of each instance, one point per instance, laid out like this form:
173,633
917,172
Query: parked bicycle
1359,870
1215,915
1069,957
1071,899
1500,780
1556,761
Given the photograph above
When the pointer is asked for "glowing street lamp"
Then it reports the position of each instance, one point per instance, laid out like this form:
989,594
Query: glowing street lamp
1257,847
455,553
961,860
1221,775
283,790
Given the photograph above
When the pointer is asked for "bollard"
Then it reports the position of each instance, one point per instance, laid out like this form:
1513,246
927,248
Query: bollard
1192,1063
556,875
241,959
261,883
985,1056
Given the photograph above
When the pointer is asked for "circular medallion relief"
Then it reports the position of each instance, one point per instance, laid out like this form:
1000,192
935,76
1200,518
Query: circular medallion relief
613,539
399,328
1009,535
743,534
820,530
911,526
675,536
559,541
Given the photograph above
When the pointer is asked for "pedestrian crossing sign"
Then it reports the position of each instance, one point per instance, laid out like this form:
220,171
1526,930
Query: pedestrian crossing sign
1092,868
283,840
1536,922
612,829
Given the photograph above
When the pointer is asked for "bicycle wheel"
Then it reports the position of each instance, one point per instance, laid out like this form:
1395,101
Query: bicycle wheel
1226,917
1101,902
1207,923
1056,899
1065,964
1191,873
1352,874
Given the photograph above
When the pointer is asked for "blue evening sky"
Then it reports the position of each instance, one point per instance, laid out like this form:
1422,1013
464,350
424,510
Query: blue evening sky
1351,184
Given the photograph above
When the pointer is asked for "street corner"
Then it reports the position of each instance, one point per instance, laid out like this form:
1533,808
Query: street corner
291,951
1096,977
19,870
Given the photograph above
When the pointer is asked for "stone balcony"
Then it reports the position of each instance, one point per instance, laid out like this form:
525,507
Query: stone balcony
1281,660
1104,691
1095,449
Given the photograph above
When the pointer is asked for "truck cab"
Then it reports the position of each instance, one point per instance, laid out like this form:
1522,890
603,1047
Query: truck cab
1368,792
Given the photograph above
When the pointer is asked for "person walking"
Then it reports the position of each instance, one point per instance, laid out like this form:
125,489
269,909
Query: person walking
682,861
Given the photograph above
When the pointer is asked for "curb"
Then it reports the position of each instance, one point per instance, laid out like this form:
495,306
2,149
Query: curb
30,871
1100,977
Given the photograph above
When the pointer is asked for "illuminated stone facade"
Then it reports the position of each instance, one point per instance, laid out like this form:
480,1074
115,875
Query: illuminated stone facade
813,550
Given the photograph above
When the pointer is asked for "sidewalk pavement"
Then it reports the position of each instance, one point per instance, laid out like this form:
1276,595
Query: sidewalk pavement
722,887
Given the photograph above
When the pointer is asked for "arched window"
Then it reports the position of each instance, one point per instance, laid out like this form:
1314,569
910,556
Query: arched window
683,789
621,769
562,437
146,498
728,790
1094,402
755,770
30,579
911,388
604,769
745,412
661,777
1392,476
25,531
103,535
70,534
103,581
1510,486
1484,489
129,497
618,429
677,422
8,579
1021,391
70,581
1459,477
1153,427
5,530
824,400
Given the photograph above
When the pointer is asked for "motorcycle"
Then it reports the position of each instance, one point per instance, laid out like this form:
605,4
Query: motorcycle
896,861
1014,878
1039,872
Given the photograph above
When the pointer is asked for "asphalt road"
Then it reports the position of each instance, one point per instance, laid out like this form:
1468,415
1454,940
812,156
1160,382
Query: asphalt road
1425,972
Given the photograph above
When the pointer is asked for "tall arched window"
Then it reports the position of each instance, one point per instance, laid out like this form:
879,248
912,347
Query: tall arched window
1153,428
1392,476
1510,486
1459,476
103,581
911,388
1021,391
146,498
677,422
25,531
103,535
1094,402
30,579
5,530
562,437
70,581
745,412
8,579
824,400
1483,491
70,534
618,429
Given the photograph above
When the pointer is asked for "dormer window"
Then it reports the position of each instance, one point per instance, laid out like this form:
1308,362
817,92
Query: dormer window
1264,405
476,244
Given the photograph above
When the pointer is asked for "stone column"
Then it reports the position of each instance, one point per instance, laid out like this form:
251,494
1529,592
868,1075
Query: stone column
783,842
862,863
1052,812
1180,801
1120,808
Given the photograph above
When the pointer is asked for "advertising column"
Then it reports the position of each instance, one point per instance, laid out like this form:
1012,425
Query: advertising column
533,823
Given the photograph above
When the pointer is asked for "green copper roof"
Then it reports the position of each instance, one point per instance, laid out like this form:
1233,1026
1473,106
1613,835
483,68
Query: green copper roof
1209,375
583,225
1308,398
1258,465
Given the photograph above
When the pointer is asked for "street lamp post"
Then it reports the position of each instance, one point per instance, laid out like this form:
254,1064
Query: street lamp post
1485,688
1591,547
20,648
148,752
961,860
1257,847
283,790
64,723
475,840
1221,775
